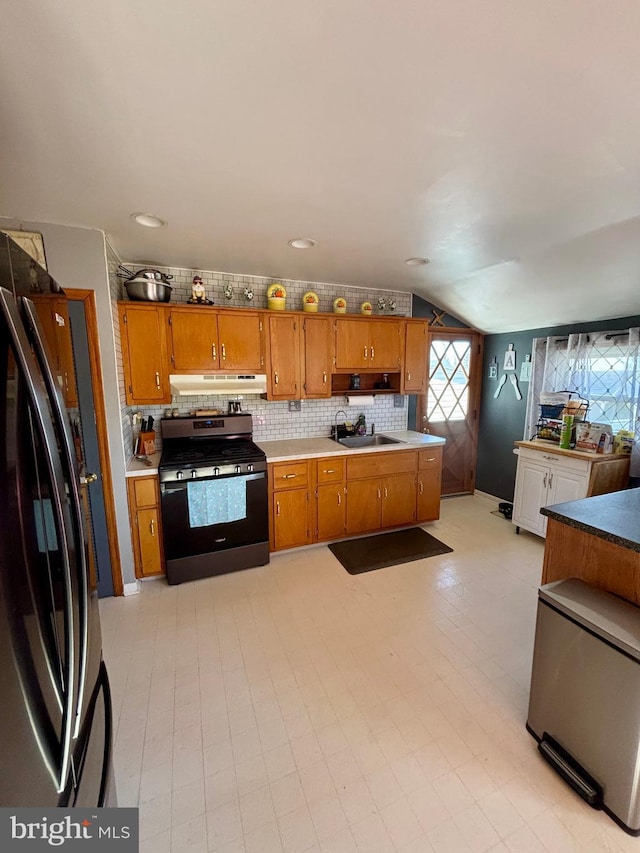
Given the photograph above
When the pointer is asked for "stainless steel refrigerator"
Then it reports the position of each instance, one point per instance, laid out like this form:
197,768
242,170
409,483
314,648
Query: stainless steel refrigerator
56,733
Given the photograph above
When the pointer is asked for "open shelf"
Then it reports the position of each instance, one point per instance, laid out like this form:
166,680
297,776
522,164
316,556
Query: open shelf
341,384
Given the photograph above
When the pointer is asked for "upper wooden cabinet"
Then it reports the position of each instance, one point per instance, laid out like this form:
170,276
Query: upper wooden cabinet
318,355
206,339
54,318
416,353
284,377
363,343
143,327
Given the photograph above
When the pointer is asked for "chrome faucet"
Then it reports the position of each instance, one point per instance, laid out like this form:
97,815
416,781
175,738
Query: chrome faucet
335,422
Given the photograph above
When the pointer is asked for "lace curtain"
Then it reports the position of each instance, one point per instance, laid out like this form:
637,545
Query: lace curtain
601,367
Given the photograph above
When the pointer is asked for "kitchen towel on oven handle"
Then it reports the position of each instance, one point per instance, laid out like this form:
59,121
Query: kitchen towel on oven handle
217,501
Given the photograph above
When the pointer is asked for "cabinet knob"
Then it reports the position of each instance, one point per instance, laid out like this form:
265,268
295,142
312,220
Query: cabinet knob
408,376
329,471
213,352
157,380
379,495
288,476
277,507
365,351
373,353
223,351
386,493
276,378
152,527
324,377
339,499
421,485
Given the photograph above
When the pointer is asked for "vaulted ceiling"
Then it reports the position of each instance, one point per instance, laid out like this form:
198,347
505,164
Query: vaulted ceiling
498,139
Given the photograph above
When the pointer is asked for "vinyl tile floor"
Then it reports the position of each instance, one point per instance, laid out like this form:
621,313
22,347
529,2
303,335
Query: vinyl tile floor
295,707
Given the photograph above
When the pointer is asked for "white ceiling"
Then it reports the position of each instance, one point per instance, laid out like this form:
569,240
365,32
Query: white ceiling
501,139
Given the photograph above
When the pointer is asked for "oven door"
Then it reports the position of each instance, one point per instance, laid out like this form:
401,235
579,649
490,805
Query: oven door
214,514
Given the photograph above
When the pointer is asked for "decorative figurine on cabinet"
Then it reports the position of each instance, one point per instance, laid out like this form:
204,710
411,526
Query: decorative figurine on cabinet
198,296
248,294
228,291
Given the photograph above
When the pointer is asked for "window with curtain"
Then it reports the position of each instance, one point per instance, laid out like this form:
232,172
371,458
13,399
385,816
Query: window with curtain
601,367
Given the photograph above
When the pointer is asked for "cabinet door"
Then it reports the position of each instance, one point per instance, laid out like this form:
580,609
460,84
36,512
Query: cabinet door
241,338
385,344
414,377
194,340
428,497
144,354
331,503
317,356
530,495
54,318
566,485
149,542
290,518
284,359
398,500
352,344
364,498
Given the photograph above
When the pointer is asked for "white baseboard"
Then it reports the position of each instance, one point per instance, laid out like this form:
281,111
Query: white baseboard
131,588
477,493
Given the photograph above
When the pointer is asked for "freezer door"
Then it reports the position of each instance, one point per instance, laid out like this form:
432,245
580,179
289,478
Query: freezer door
92,759
39,629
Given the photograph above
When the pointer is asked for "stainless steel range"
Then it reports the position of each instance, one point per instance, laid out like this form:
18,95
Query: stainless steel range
214,500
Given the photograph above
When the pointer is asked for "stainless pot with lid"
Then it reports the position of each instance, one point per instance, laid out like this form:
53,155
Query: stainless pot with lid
141,275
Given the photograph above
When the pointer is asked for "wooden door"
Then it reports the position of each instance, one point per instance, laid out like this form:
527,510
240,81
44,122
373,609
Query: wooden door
144,354
385,344
194,340
398,500
352,344
414,377
317,352
241,338
364,499
290,518
331,518
450,407
284,380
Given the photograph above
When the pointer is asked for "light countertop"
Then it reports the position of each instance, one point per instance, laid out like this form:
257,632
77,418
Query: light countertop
313,448
310,448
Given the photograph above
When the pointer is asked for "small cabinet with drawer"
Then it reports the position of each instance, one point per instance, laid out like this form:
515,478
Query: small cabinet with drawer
146,533
330,498
289,491
429,484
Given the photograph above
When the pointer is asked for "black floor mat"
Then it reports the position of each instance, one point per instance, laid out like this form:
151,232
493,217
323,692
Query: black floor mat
387,549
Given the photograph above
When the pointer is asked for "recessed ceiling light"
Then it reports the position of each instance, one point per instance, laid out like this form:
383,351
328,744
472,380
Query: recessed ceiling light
302,243
149,220
416,262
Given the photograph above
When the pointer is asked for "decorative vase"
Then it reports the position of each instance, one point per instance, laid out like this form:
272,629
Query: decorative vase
276,297
366,308
310,301
340,305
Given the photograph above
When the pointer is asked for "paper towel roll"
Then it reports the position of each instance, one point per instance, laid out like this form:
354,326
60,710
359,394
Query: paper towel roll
361,400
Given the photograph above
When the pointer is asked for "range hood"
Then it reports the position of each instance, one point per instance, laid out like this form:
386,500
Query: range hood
184,385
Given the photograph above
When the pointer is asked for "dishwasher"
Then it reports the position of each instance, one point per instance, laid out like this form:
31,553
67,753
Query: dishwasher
584,704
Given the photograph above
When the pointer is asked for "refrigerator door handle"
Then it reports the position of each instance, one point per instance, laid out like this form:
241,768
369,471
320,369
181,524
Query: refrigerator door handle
68,459
38,405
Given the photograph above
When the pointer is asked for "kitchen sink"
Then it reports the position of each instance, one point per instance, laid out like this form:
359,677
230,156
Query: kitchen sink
368,440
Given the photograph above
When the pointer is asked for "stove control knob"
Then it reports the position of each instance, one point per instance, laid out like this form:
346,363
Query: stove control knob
238,469
249,467
216,471
179,475
194,474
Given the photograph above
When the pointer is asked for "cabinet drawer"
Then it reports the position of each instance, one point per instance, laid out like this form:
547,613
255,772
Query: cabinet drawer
145,491
431,458
330,470
555,460
381,464
289,475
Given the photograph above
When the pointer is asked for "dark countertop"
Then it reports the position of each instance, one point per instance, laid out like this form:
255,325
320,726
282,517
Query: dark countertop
614,517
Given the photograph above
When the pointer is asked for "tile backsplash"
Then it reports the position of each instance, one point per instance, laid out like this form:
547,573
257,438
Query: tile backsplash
273,420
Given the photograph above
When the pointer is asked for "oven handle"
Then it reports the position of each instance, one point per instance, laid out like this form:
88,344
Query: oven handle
174,485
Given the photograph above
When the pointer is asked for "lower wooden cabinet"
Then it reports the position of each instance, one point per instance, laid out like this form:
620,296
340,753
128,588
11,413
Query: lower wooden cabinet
330,494
429,484
290,508
146,532
352,494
